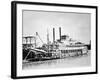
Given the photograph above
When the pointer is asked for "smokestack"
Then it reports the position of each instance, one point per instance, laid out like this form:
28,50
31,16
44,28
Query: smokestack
53,34
60,32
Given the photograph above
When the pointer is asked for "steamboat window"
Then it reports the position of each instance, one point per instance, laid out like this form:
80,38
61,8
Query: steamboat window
64,51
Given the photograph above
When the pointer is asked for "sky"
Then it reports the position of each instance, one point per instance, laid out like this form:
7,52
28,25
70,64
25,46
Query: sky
76,25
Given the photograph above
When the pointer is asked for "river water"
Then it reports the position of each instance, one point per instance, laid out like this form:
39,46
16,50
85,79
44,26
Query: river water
77,61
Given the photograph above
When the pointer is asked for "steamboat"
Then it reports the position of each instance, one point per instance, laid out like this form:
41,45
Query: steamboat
62,48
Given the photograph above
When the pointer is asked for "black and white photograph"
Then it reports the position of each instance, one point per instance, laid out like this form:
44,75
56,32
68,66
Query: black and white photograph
54,39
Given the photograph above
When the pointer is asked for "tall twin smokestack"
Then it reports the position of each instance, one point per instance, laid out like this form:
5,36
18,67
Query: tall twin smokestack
54,34
60,33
